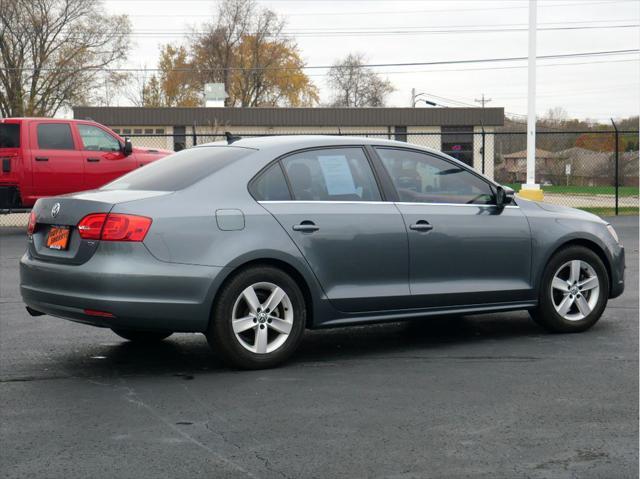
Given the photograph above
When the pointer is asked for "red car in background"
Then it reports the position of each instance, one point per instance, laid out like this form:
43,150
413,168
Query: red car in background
42,157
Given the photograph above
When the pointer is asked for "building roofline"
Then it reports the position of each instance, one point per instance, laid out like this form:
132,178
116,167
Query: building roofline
291,117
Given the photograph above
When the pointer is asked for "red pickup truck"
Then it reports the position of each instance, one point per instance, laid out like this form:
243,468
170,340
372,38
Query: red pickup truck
47,157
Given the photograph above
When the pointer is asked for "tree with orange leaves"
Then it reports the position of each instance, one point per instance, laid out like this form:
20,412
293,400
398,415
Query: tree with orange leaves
175,84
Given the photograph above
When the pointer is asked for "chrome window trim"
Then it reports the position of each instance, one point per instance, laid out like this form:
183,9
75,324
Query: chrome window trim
328,202
404,203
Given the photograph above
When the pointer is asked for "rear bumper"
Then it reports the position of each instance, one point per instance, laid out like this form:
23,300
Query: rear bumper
125,280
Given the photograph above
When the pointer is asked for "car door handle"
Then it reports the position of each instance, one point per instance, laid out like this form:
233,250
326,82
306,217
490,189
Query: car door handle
41,158
421,225
306,227
93,160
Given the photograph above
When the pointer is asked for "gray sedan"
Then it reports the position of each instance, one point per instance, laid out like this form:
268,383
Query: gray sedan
252,241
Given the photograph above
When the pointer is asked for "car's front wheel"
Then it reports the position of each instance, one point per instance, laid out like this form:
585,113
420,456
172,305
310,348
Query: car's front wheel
258,319
573,292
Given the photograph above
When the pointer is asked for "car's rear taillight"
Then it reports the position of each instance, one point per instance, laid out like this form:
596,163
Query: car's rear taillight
31,227
125,227
91,225
114,227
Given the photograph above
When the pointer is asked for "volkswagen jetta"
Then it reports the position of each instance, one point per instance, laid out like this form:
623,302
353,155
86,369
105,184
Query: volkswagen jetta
252,242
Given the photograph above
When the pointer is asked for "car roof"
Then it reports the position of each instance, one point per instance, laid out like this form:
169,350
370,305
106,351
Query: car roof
310,141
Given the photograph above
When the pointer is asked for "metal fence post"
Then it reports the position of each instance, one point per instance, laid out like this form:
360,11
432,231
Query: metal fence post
616,180
483,148
194,134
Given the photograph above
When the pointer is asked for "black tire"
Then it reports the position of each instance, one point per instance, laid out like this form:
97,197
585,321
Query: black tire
547,316
223,339
138,336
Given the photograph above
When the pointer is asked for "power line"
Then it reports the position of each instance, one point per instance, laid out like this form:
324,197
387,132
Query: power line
500,68
396,12
369,33
369,65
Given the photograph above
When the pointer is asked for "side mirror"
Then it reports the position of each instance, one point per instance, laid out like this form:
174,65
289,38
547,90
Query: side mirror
504,196
501,197
127,149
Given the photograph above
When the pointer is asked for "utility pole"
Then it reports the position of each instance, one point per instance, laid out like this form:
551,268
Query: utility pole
531,190
483,101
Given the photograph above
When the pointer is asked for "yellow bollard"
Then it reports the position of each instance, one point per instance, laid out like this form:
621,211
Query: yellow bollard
531,194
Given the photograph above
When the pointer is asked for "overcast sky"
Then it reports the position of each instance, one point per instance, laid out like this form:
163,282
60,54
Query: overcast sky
588,87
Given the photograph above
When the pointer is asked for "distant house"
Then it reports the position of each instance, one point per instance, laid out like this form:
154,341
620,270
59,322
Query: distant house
515,165
628,171
572,166
584,167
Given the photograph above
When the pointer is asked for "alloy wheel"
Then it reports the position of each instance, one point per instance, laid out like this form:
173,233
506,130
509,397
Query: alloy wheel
262,318
575,289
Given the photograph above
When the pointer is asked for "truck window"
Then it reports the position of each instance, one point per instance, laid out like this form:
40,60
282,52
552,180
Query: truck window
96,139
55,136
9,135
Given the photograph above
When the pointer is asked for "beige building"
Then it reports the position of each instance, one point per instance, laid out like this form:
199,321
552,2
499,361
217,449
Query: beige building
455,131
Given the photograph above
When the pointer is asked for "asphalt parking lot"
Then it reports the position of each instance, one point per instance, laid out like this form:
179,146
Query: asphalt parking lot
484,396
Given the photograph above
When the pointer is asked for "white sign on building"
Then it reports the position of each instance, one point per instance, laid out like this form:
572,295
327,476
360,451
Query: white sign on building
214,94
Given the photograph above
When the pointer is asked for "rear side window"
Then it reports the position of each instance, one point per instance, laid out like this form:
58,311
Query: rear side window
179,170
332,174
270,185
55,136
9,135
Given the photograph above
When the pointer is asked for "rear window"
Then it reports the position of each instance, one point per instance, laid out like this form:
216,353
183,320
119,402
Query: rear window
9,135
55,136
180,170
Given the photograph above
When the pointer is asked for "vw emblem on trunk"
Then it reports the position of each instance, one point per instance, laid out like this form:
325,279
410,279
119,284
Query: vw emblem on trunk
55,210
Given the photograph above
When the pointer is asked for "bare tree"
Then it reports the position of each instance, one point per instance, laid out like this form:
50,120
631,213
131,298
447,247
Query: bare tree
134,90
555,116
355,85
54,53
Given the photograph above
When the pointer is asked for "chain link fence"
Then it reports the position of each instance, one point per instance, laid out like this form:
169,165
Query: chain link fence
593,170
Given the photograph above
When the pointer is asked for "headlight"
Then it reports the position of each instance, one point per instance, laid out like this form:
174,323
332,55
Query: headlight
613,233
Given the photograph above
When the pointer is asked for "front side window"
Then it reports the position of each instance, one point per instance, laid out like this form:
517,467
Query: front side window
424,178
96,139
332,174
270,185
55,136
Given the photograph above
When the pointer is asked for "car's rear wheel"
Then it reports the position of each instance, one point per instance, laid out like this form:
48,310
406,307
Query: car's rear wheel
573,292
142,336
258,319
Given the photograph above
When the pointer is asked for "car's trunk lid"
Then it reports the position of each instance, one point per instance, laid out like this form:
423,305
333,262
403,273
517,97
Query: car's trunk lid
66,212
